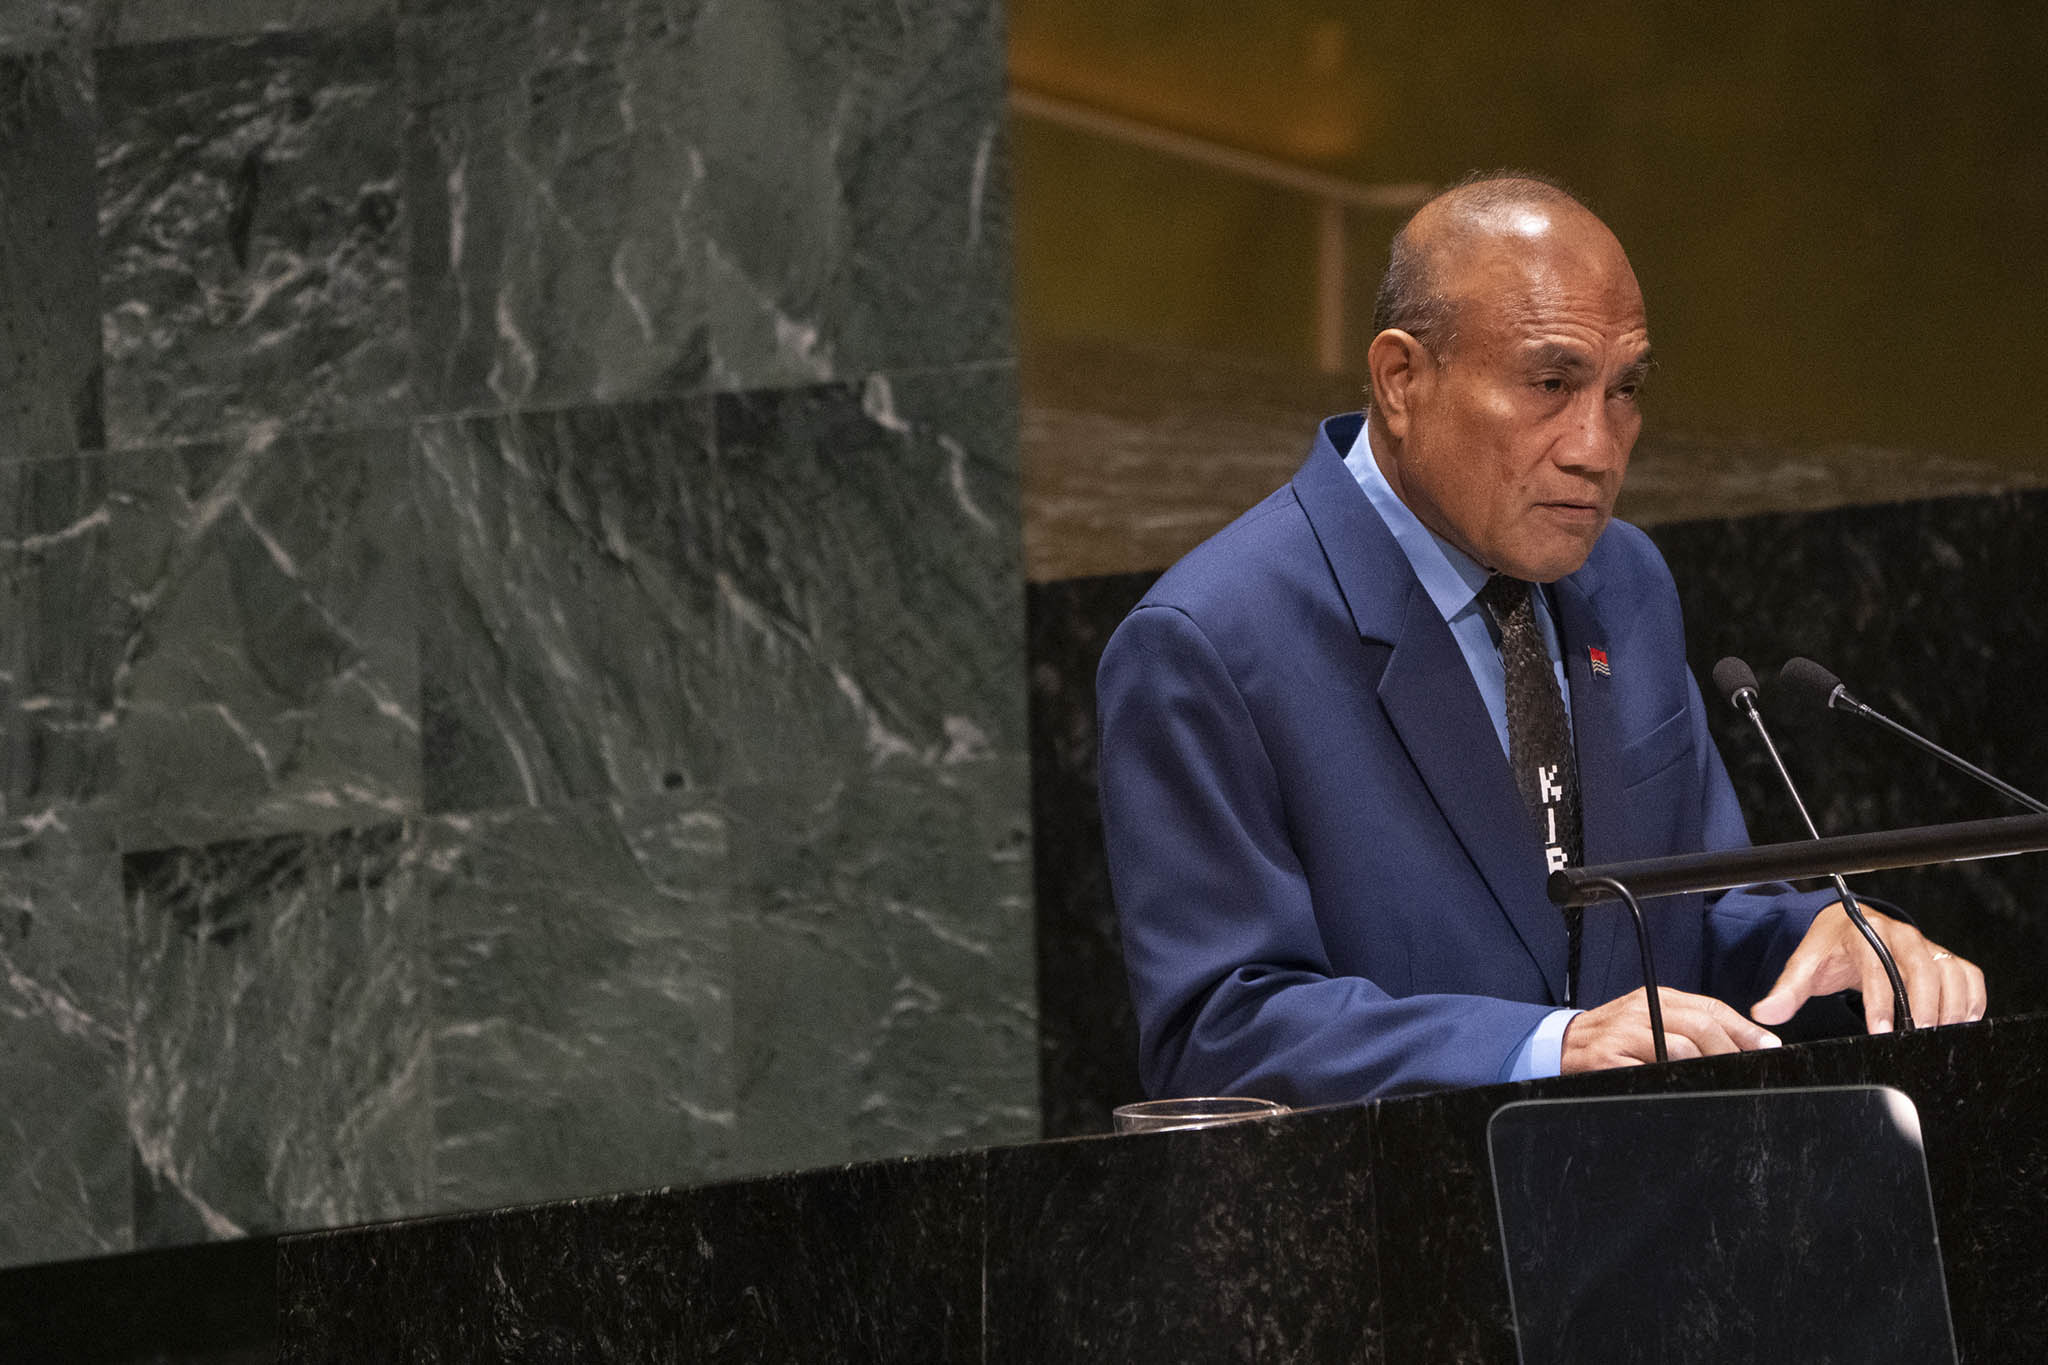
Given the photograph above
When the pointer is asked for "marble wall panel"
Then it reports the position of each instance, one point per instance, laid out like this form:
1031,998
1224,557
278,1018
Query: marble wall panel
583,1013
569,648
153,21
858,197
555,165
30,25
444,677
64,1179
59,634
251,232
49,310
269,676
871,599
279,1072
882,969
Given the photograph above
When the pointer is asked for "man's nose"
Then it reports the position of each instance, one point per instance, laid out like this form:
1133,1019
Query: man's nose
1596,442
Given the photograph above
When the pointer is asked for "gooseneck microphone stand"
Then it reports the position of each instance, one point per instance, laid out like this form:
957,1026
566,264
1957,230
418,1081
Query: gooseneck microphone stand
1643,949
1805,680
1738,684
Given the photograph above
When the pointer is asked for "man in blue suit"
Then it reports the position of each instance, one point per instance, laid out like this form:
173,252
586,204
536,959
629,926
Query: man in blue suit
1330,881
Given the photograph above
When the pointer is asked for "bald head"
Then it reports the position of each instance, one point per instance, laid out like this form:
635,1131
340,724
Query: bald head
1505,372
1483,215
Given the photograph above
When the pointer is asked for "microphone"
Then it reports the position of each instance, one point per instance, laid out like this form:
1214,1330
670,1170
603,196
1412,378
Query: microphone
1808,684
1736,683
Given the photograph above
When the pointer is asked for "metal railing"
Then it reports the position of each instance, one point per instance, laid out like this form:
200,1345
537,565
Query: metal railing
1334,196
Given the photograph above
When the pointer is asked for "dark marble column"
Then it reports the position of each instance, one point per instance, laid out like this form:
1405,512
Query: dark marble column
512,641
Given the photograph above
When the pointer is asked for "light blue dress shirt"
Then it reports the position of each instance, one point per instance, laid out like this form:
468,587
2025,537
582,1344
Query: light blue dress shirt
1453,579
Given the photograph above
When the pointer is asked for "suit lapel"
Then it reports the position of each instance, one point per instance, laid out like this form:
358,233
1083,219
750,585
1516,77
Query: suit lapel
1596,739
1430,699
1434,705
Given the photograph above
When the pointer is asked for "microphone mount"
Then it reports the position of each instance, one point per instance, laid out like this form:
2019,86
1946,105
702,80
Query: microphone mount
1737,682
1810,682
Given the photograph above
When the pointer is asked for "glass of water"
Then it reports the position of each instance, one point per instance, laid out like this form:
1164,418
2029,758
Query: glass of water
1152,1116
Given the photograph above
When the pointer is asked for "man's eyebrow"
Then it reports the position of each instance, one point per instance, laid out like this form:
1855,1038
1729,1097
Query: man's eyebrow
1639,368
1556,355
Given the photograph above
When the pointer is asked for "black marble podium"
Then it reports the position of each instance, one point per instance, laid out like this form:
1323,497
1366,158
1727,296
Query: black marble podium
1355,1233
1358,1233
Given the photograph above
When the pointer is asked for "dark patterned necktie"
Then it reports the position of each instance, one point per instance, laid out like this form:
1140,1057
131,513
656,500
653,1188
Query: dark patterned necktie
1539,742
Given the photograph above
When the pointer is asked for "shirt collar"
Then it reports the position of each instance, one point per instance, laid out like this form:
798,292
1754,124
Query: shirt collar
1451,577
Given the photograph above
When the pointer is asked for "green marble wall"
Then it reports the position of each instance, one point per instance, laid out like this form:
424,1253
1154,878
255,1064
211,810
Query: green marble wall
511,632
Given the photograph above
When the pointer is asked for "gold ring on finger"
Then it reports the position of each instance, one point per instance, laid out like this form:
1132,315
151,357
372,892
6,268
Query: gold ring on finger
1940,953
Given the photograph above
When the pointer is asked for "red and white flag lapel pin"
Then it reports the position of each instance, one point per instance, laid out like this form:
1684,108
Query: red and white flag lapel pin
1599,658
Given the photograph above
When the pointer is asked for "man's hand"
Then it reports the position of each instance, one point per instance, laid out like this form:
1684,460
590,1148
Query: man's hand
1618,1032
1941,987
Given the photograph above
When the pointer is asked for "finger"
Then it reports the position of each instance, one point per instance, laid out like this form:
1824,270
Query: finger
1680,1047
1711,1039
1877,991
1962,988
1745,1034
1955,990
1923,980
1794,985
1713,1028
1979,994
1694,1018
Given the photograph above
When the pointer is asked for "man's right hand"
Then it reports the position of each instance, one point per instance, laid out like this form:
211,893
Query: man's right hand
1618,1032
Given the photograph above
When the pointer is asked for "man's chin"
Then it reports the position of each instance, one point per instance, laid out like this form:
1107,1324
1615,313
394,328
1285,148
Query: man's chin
1556,558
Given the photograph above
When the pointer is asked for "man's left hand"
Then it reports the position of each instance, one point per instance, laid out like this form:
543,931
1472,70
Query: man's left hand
1941,987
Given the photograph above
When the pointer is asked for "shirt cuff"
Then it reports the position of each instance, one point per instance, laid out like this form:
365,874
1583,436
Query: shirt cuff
1542,1052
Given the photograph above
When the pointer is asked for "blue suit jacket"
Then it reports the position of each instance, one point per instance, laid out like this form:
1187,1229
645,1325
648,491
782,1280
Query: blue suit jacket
1328,885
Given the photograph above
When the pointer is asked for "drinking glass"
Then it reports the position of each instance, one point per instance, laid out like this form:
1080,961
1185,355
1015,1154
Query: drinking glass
1152,1116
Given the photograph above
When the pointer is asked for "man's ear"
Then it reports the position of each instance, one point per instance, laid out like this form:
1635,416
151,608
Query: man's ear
1396,363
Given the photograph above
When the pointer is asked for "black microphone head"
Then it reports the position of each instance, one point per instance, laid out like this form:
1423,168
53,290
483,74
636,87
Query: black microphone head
1806,685
1732,678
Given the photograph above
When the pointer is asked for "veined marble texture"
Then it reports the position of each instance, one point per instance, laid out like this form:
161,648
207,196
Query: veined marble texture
30,26
150,21
857,208
583,1007
470,737
269,675
569,572
279,1066
58,642
64,1178
555,167
251,232
38,24
871,595
630,197
675,595
884,997
49,309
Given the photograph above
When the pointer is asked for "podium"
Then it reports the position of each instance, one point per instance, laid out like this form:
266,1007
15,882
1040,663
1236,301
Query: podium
1354,1233
1365,1232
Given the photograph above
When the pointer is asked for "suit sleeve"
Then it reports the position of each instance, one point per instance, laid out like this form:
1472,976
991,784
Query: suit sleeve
1231,981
